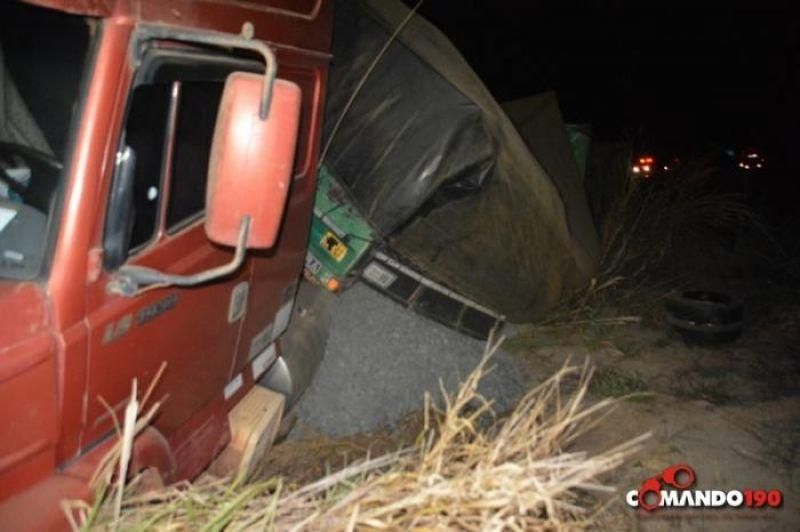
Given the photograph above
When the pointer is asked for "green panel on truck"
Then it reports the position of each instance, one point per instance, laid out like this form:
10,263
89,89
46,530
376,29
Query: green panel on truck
339,234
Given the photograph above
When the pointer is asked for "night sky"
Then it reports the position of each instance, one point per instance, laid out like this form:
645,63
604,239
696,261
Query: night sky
675,79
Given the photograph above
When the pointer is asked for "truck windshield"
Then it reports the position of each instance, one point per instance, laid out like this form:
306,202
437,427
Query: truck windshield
42,57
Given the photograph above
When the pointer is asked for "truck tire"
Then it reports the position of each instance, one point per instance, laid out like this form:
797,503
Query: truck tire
704,307
705,333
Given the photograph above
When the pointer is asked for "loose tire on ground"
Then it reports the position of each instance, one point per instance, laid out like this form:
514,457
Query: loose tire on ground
705,307
704,317
705,333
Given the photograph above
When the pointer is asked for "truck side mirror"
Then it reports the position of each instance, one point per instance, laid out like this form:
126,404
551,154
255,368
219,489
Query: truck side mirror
119,220
251,162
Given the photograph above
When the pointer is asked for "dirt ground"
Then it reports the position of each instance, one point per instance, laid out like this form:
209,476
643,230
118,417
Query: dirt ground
731,411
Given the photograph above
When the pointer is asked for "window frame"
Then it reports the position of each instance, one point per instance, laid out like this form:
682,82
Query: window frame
188,64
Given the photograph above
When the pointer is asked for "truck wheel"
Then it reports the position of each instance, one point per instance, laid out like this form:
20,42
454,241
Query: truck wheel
704,307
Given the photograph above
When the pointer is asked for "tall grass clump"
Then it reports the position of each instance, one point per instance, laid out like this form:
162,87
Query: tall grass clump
665,220
469,470
687,226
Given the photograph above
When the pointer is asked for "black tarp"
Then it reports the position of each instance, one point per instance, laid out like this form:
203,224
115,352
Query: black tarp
432,161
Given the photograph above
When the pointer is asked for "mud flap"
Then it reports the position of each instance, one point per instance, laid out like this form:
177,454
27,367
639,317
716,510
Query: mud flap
302,347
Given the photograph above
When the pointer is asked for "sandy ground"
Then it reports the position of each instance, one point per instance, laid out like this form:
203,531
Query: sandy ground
732,412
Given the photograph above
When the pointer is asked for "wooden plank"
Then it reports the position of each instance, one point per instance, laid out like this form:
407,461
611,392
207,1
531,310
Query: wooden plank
254,423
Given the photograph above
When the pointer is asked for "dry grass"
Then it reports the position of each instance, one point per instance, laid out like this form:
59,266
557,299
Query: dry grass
657,223
666,234
467,471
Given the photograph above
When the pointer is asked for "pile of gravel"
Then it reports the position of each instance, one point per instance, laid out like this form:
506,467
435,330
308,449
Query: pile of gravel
380,361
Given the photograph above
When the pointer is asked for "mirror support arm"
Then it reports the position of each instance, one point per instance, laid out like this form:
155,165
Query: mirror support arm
244,41
131,281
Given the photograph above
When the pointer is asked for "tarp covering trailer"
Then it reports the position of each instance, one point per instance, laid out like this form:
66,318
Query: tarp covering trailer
443,176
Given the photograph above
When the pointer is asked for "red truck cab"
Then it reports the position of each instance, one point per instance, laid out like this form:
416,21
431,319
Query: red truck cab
110,112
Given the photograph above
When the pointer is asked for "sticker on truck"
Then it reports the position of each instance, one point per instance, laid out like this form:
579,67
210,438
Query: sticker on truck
335,247
263,361
260,341
313,265
379,275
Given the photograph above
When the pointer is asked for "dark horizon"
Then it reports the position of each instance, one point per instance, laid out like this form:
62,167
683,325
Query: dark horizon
673,78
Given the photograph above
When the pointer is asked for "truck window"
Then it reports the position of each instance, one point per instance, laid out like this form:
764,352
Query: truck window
189,85
43,57
197,116
145,133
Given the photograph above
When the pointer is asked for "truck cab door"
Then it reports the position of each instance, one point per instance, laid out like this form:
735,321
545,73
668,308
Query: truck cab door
169,126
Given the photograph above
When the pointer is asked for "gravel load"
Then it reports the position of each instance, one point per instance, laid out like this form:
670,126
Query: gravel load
380,361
